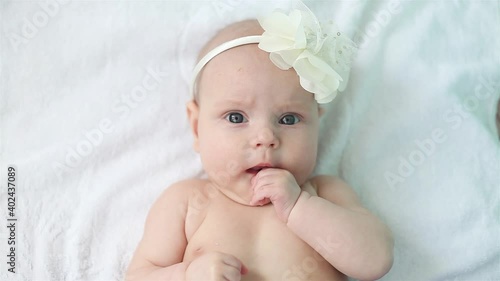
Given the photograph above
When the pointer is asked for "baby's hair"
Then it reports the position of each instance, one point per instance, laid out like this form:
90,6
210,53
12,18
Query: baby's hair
235,30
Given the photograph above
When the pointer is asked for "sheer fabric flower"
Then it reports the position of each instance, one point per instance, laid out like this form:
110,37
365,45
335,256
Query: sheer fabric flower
319,53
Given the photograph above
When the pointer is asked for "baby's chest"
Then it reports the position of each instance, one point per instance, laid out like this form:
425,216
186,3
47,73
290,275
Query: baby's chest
255,236
241,230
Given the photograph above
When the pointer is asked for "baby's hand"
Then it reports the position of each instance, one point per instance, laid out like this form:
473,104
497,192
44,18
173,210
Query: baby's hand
216,266
277,186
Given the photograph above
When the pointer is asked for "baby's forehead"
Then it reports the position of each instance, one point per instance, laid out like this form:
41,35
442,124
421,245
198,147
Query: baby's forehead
251,85
236,30
246,69
233,31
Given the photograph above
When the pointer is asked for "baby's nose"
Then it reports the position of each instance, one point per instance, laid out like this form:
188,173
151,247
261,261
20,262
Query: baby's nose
265,137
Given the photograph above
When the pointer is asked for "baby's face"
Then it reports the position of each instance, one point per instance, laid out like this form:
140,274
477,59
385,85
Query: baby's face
251,113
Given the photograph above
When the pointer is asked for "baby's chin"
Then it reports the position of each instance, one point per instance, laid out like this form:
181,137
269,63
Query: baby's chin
242,200
242,197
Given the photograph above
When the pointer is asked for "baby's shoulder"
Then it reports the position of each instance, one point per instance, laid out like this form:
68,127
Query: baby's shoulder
182,191
320,182
185,190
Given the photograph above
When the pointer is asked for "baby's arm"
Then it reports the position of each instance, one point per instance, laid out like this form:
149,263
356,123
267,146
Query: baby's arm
349,237
160,252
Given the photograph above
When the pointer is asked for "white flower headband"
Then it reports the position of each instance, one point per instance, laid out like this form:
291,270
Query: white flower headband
319,53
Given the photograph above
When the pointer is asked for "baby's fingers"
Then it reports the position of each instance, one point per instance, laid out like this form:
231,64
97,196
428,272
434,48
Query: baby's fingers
260,202
260,197
235,268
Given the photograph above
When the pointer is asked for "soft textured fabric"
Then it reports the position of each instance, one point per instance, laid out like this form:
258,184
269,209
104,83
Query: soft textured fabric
93,116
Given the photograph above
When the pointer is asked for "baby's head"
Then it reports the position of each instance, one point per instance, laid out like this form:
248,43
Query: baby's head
250,112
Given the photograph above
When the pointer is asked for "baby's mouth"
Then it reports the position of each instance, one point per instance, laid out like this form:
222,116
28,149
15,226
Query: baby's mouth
254,170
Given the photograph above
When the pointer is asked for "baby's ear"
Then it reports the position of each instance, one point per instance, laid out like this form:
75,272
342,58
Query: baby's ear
193,112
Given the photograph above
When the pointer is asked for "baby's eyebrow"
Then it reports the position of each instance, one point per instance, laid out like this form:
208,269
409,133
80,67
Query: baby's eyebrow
294,105
234,103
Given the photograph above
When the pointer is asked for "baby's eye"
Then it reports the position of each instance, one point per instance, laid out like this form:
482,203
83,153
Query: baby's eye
235,117
289,119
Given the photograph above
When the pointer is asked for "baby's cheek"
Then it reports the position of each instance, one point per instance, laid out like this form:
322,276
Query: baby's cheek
304,171
210,155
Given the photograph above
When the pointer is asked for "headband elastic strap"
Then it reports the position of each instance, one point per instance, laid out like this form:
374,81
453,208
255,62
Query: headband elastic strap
219,49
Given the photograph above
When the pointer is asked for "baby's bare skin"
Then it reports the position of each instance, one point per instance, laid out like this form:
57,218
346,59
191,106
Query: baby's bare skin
193,220
254,235
259,215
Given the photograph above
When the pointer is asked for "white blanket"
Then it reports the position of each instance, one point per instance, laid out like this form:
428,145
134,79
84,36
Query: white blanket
93,119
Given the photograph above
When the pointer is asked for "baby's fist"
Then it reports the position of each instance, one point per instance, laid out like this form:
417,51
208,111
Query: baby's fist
215,266
277,186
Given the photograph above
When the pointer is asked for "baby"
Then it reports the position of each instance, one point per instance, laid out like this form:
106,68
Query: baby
259,215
